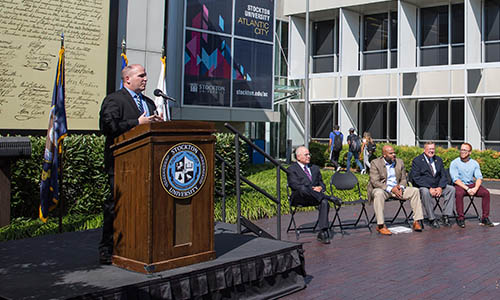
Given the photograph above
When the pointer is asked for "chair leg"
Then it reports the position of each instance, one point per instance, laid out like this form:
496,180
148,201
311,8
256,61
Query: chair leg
363,209
337,216
397,213
471,203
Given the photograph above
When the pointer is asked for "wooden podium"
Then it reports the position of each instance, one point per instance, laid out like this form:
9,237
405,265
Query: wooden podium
164,190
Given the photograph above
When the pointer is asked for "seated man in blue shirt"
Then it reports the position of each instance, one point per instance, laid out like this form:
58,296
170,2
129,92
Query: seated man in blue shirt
463,171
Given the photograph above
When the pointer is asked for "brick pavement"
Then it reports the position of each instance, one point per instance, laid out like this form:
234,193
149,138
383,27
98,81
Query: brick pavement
444,263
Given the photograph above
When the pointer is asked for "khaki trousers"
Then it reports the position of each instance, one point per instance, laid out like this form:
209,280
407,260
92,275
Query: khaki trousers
410,193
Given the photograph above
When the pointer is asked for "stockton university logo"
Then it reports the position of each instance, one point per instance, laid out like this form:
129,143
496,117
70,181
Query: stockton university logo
183,170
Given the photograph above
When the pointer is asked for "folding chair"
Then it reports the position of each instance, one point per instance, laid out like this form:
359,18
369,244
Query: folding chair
401,208
294,209
471,203
347,181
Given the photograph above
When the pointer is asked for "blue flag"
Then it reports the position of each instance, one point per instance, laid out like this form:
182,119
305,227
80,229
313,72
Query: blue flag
124,64
56,132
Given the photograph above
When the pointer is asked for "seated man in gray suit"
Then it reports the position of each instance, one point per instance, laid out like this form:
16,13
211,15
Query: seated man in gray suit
388,178
428,174
308,189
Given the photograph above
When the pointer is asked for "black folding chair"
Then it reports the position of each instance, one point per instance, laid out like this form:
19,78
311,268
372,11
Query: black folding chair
401,208
344,181
471,204
294,209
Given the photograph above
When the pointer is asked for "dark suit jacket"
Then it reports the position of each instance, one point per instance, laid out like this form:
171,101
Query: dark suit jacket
378,175
119,114
302,187
421,173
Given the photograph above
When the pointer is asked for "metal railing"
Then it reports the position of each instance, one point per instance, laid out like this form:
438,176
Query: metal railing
238,178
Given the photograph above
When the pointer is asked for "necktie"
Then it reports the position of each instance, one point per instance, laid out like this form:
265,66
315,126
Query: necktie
307,173
139,103
431,160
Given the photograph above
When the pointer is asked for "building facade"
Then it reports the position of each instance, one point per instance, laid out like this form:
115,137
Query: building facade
405,71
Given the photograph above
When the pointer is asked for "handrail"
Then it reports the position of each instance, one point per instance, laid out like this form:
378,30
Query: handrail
223,179
239,178
249,142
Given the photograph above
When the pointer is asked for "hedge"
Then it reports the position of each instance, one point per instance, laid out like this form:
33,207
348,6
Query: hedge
85,185
487,159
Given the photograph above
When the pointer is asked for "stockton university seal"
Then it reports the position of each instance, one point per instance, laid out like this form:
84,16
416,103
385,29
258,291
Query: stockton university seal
183,170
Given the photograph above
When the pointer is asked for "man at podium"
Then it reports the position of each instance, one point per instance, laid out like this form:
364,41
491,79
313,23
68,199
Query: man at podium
120,112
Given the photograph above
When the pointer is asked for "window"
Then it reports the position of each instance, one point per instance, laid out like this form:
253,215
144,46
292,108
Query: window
492,119
322,119
437,41
325,50
374,119
393,118
378,30
434,36
492,30
433,120
457,120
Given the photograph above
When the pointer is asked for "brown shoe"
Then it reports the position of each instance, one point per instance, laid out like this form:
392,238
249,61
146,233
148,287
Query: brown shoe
417,226
384,230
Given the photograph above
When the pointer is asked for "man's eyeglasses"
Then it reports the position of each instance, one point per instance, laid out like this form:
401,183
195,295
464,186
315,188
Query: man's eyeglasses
464,150
308,154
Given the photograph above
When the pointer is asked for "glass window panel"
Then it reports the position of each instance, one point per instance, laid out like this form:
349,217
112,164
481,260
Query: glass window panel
457,54
284,46
323,64
321,120
492,20
323,37
434,56
457,120
394,30
433,120
394,58
492,52
375,32
392,120
374,119
434,25
457,23
492,119
377,60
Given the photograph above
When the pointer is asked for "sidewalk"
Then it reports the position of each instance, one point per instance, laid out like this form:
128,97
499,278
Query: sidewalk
444,263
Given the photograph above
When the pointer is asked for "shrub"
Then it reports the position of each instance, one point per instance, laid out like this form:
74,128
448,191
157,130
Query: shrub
319,153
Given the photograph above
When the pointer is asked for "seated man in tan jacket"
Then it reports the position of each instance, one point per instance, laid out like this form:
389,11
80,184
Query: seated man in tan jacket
388,178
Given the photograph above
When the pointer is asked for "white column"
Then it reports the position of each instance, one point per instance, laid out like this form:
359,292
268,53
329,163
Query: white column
407,35
349,40
472,11
297,48
472,121
406,116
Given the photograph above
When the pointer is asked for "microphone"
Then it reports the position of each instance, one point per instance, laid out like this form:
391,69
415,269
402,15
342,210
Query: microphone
159,93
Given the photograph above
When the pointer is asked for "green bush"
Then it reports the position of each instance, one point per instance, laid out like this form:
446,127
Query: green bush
319,153
224,146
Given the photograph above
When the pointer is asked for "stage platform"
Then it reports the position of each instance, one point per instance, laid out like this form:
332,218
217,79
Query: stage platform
65,266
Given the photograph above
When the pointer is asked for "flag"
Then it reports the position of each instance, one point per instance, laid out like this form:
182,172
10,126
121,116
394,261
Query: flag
162,104
124,64
56,132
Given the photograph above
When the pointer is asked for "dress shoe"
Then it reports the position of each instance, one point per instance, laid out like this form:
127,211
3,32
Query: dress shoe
434,223
104,256
446,221
486,222
417,226
461,223
324,237
337,201
383,230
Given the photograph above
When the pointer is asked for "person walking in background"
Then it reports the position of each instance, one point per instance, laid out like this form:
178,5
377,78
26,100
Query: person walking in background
335,145
368,148
354,149
467,177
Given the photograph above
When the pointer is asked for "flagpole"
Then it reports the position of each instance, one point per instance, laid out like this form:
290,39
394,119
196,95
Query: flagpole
60,173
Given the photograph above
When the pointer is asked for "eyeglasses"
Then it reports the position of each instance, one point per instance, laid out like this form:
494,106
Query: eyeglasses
308,154
464,150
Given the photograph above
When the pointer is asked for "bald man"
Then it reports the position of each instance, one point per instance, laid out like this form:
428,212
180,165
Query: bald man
120,112
308,189
388,178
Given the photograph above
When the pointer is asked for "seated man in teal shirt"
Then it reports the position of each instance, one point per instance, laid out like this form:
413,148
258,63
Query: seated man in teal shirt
463,171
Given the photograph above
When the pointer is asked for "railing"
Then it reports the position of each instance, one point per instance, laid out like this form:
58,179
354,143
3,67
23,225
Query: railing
238,178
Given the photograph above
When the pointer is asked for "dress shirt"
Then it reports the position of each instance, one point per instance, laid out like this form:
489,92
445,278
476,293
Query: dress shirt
391,176
144,104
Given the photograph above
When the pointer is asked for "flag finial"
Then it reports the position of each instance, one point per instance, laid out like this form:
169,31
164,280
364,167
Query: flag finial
124,45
